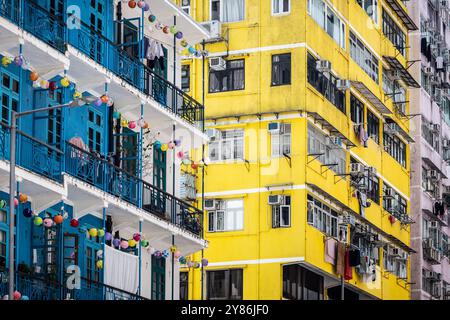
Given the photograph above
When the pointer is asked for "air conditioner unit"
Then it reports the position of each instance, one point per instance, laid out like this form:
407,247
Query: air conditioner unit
433,174
395,252
210,204
343,85
428,274
428,71
275,199
213,134
217,63
390,128
356,168
334,141
372,171
323,65
274,127
214,28
389,192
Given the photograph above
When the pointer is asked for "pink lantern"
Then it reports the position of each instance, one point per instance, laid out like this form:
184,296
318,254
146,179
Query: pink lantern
124,244
171,145
180,154
48,222
132,124
16,202
141,4
177,254
17,295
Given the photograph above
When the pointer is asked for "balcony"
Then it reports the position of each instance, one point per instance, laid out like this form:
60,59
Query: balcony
39,288
54,32
430,253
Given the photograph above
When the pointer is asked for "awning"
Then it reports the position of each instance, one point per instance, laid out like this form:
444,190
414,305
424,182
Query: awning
402,14
406,77
360,218
405,135
332,129
361,87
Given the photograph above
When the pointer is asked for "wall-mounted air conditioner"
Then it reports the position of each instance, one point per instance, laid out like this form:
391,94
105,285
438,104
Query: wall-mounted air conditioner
217,63
343,85
275,199
323,66
214,28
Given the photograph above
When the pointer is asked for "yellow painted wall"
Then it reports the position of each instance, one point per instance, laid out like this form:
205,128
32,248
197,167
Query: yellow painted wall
256,39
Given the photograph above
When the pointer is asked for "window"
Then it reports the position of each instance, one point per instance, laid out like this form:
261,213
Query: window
301,284
371,8
226,144
281,213
322,217
356,110
228,216
185,77
10,96
227,10
281,69
393,32
395,91
363,57
280,140
3,248
281,6
395,147
430,135
373,127
230,79
186,6
327,153
184,285
224,284
95,128
325,83
396,205
327,20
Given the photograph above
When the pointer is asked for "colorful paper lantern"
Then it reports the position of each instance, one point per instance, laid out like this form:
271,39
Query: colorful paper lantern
116,115
44,84
164,147
137,237
48,223
132,124
6,61
157,145
184,43
98,102
108,236
124,244
16,202
182,260
37,221
93,232
17,295
173,30
158,26
104,98
152,18
77,95
124,123
173,249
141,4
3,204
131,243
25,298
196,265
116,243
191,50
99,264
177,254
158,254
145,243
177,143
132,4
101,233
27,213
194,166
180,154
146,7
58,219
65,82
179,35
23,198
52,85
165,253
34,76
166,29
186,161
205,262
74,223
171,145
18,61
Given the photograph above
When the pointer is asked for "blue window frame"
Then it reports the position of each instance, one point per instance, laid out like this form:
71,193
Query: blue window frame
95,129
10,92
96,16
3,239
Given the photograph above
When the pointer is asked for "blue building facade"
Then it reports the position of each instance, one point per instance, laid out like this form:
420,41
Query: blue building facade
109,165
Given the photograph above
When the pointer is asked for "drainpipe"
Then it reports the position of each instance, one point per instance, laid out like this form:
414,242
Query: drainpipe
173,266
105,205
140,258
203,171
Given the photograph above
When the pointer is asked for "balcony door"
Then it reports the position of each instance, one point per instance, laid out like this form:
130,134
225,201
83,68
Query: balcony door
97,27
158,278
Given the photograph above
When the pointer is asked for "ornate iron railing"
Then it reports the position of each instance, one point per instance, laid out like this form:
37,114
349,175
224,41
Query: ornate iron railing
99,172
36,20
32,154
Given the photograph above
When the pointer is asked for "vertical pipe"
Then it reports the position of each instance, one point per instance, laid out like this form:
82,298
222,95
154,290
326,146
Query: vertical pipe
140,258
173,267
203,170
174,53
105,205
174,205
17,232
141,161
12,191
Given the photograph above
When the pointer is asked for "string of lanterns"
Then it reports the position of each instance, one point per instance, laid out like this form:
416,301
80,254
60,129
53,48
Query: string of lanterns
164,28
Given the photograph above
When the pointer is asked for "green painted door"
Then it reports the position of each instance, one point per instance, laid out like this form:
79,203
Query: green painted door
158,278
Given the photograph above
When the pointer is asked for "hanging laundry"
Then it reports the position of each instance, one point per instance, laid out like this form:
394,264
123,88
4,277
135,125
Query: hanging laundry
361,134
355,257
348,270
340,259
330,251
154,53
362,198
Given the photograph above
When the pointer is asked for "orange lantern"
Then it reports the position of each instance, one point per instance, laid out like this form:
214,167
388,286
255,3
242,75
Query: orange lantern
34,76
23,198
132,4
58,219
105,98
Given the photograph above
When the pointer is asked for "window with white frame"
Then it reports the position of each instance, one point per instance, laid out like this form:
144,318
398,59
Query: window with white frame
186,6
364,57
225,215
371,8
281,6
281,210
226,144
227,10
322,217
327,152
327,20
280,138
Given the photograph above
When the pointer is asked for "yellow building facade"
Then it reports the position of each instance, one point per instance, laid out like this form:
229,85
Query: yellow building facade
309,149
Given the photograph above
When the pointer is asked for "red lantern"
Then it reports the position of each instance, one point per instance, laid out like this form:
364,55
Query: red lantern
132,4
74,223
194,166
392,219
166,29
58,219
52,85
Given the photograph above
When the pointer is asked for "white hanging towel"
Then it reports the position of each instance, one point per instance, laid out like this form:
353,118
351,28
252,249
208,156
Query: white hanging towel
121,270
